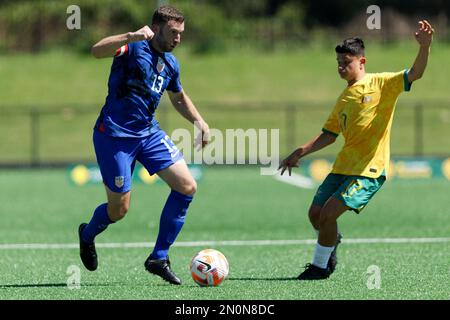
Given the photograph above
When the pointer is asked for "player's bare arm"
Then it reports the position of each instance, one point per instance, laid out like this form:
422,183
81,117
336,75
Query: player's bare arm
107,47
424,37
184,105
319,142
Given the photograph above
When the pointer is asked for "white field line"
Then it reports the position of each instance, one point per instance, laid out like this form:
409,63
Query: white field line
297,180
220,243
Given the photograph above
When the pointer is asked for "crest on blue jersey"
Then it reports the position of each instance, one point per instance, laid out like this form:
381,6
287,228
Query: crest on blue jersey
160,66
119,181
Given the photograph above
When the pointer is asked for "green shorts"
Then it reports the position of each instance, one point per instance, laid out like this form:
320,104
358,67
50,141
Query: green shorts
354,191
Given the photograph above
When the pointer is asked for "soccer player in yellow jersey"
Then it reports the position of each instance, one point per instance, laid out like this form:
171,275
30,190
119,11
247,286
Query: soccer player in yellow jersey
363,114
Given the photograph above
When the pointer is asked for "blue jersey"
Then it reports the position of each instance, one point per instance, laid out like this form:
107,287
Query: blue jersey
139,75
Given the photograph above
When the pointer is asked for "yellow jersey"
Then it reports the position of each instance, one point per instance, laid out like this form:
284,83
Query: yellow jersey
363,114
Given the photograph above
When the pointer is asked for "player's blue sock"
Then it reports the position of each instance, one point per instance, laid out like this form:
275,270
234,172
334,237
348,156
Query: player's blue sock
99,222
171,222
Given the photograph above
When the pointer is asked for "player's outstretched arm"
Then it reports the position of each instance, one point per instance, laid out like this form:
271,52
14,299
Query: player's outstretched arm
319,142
424,37
187,109
107,47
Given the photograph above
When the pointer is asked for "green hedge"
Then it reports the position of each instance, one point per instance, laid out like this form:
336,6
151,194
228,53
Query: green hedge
41,24
211,25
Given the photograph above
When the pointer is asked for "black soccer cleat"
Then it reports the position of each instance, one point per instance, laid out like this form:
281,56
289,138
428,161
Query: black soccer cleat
88,254
332,262
313,272
162,268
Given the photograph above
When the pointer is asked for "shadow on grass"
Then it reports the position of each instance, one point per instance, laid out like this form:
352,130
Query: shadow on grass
264,279
49,285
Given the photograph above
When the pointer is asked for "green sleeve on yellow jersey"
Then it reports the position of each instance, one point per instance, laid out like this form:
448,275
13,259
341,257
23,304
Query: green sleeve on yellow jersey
395,82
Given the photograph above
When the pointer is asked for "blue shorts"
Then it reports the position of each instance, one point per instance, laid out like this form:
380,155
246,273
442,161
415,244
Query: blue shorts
354,191
117,157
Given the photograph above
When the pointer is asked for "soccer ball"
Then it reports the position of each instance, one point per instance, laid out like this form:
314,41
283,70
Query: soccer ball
209,267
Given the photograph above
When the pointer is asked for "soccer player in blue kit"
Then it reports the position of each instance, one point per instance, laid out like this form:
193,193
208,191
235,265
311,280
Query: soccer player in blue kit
126,130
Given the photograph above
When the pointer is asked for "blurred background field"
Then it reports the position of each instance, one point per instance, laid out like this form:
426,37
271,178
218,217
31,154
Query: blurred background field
50,101
247,64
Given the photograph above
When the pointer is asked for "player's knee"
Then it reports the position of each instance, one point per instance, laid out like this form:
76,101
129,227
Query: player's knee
119,210
314,216
314,213
189,188
323,221
326,217
123,209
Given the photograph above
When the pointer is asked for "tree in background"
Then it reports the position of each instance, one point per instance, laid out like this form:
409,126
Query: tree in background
34,25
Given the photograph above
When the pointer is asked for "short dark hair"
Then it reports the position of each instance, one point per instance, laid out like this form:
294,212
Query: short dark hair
354,46
166,13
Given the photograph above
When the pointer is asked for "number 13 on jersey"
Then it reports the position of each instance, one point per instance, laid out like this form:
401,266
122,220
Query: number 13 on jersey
157,83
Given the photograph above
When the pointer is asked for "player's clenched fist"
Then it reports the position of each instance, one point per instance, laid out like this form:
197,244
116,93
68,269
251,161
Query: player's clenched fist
145,33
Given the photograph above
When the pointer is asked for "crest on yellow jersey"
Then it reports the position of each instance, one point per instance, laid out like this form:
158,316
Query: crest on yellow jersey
366,99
